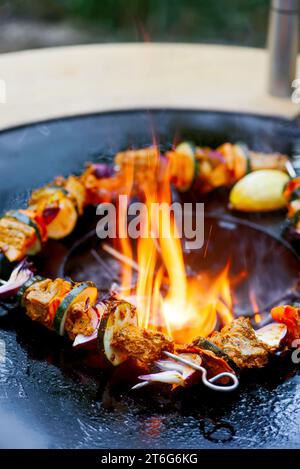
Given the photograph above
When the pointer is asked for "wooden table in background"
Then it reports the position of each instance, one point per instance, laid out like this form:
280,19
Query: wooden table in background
49,83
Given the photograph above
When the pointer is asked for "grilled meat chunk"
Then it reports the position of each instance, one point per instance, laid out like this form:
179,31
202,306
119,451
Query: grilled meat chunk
79,320
239,342
146,346
42,299
260,160
16,238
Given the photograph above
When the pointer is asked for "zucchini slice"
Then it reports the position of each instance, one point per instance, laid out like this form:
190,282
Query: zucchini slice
295,218
26,285
23,218
205,344
56,187
189,170
119,314
246,152
80,293
295,194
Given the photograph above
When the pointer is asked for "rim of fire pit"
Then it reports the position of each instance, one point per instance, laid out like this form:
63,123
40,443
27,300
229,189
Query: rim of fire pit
156,109
34,354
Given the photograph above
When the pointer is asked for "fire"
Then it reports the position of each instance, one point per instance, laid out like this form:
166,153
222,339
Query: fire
255,308
166,298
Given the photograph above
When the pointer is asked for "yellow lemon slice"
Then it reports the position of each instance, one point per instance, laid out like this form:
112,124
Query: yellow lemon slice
259,191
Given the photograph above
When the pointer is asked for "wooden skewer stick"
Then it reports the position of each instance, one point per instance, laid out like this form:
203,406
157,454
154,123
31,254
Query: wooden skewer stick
121,257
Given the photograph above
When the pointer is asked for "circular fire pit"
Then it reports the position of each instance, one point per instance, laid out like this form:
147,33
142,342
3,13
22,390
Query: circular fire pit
72,403
237,256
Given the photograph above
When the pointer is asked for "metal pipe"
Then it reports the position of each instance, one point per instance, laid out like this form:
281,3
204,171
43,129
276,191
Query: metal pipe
283,46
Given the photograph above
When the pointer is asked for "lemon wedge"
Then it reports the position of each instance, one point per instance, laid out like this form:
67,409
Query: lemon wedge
259,191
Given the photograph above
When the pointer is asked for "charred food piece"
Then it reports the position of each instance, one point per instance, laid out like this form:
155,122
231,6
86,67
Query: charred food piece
143,345
290,316
238,340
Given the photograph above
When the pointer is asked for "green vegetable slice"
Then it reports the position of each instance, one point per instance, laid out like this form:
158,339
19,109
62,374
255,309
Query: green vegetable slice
188,149
81,292
246,152
26,285
205,344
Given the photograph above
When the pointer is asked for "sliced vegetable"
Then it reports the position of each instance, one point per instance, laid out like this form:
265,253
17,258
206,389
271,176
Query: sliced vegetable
55,187
186,148
272,335
259,191
295,218
295,195
205,344
64,222
184,166
51,198
102,170
48,193
119,314
77,192
244,147
81,292
174,373
20,275
90,341
290,316
26,285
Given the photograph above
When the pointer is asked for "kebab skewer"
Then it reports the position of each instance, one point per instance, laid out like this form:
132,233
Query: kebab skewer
292,196
111,328
53,210
201,167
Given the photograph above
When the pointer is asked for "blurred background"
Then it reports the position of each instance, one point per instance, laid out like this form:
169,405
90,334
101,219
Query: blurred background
28,24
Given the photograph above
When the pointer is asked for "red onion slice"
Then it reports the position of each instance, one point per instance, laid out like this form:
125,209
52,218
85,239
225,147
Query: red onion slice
19,276
90,341
272,334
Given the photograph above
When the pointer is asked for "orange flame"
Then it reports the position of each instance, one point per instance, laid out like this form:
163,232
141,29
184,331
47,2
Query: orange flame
255,307
165,297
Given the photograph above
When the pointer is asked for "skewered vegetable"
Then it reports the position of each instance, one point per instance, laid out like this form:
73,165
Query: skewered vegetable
205,344
82,339
176,374
113,324
25,286
83,294
259,191
20,276
71,308
183,166
54,209
291,194
57,199
290,316
273,335
118,315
